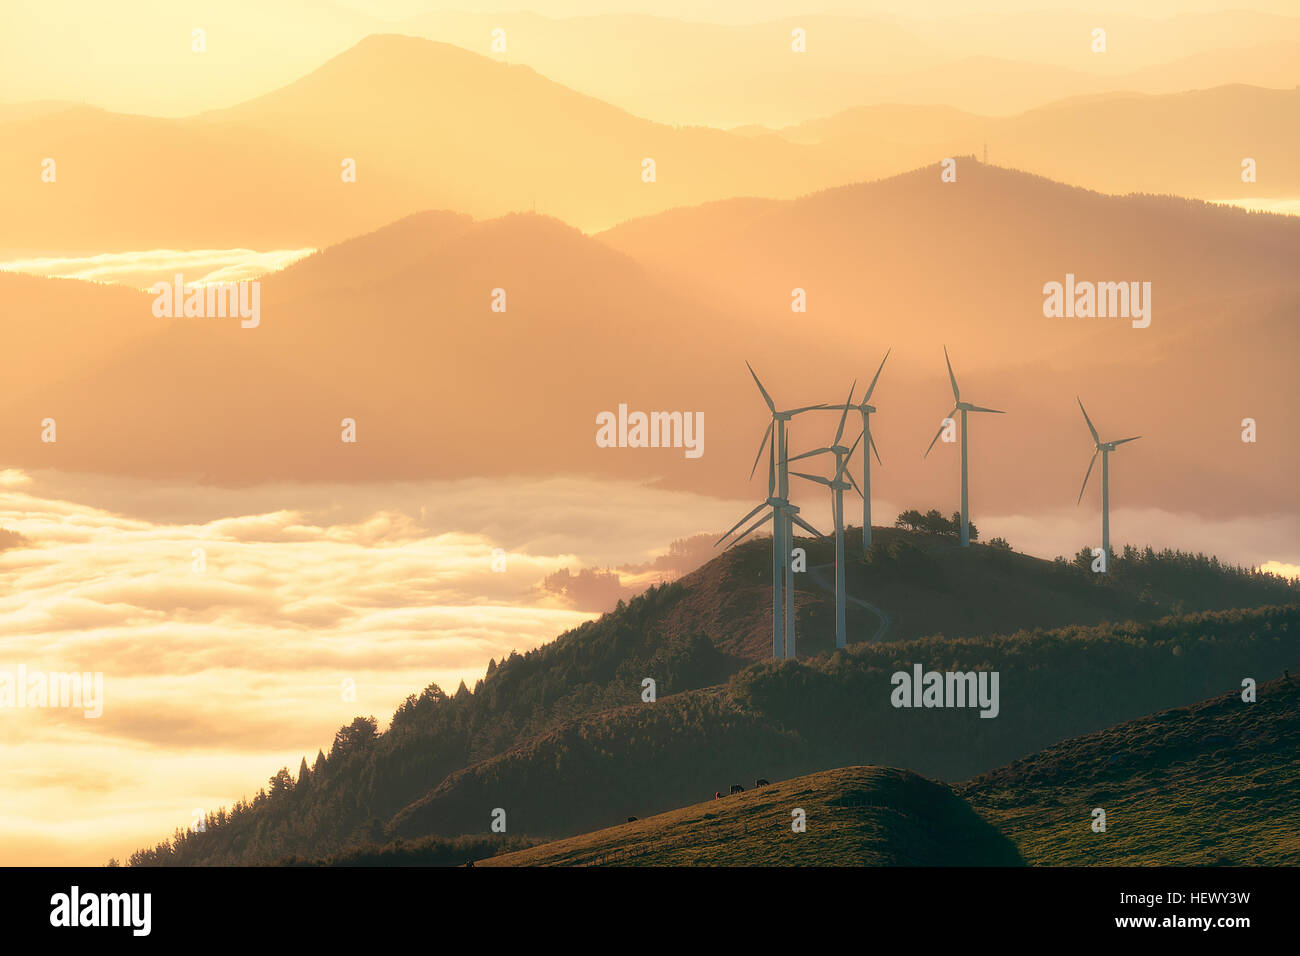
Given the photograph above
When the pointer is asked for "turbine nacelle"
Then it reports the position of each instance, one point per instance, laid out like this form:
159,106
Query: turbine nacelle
1112,445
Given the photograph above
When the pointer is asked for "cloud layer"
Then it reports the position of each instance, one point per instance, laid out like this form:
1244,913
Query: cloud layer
230,624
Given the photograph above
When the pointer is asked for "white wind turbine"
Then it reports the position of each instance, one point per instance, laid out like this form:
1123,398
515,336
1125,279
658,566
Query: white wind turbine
869,446
783,513
1104,448
838,486
784,517
962,407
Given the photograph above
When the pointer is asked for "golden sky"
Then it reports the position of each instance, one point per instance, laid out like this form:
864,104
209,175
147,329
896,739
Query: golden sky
214,679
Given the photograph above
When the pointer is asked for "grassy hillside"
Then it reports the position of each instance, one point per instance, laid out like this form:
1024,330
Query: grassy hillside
928,586
782,719
855,816
1214,783
561,737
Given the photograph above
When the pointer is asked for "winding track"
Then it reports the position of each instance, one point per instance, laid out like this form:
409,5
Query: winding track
815,575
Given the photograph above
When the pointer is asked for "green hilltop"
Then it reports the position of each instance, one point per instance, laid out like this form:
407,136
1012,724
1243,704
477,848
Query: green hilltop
854,816
560,737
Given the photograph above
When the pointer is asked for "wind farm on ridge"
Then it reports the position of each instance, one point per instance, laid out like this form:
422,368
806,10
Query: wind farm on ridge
785,514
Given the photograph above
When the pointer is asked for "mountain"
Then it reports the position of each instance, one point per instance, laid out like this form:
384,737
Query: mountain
562,738
915,263
429,125
511,139
1213,783
856,816
1186,143
671,69
395,329
1224,765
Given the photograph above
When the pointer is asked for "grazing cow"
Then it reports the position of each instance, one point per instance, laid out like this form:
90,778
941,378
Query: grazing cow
717,794
760,782
631,819
737,788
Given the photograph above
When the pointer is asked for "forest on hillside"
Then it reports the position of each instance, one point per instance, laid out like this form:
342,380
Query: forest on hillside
565,723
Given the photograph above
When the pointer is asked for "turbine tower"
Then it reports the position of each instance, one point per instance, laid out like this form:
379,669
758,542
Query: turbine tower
838,486
1104,448
869,446
962,407
784,517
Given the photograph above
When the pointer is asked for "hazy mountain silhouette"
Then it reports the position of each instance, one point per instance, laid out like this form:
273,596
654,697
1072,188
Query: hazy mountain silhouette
429,125
1189,144
912,262
678,70
395,329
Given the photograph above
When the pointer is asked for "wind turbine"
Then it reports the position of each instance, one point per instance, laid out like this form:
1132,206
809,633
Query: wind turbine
1104,448
868,447
962,407
782,512
838,486
784,517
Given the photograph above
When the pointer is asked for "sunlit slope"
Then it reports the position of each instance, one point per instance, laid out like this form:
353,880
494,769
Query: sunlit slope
856,816
1215,783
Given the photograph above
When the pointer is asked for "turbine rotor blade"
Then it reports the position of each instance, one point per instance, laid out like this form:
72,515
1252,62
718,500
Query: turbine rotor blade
875,449
761,445
856,486
1095,437
771,468
844,415
854,448
766,397
1123,440
956,394
976,408
808,454
938,433
806,526
872,387
754,527
739,523
1087,474
817,478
